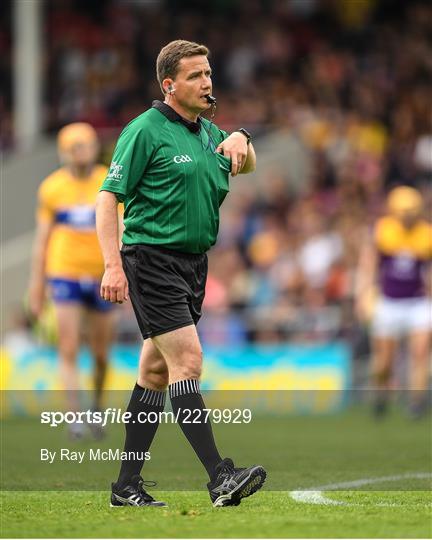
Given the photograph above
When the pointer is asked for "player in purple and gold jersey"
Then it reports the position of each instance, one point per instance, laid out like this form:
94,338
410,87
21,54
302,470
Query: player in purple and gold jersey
398,262
67,257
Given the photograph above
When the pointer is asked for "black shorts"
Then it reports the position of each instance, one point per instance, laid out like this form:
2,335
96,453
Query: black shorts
166,287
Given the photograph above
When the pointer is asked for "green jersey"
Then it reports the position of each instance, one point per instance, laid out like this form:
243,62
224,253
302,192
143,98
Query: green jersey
171,180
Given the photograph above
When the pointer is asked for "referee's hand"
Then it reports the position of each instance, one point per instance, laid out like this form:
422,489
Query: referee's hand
235,148
114,286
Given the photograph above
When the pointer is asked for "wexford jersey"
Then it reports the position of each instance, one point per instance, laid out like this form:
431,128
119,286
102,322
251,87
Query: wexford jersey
404,255
69,203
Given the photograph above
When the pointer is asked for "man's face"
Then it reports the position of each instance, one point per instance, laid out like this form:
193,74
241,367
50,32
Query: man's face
80,154
193,83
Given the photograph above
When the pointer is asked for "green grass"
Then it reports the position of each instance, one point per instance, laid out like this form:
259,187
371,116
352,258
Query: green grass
265,515
298,452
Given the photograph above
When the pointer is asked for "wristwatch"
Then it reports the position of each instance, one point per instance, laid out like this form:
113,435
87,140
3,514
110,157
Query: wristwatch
246,133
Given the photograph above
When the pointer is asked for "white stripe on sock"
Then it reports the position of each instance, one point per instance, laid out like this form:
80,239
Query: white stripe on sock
153,397
186,386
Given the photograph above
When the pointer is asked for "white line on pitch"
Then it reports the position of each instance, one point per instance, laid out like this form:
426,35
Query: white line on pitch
315,495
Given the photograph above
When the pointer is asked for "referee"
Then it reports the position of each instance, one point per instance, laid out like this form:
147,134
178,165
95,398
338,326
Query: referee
171,170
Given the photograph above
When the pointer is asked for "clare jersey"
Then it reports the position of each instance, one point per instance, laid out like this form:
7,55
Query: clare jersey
171,180
69,204
404,255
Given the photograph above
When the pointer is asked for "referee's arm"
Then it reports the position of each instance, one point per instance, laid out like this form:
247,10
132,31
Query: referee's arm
114,286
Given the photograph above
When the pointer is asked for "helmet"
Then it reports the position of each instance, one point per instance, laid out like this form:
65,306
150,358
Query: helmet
404,201
78,132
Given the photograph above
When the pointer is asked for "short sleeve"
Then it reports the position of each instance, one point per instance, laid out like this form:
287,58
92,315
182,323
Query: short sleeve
45,211
131,156
384,233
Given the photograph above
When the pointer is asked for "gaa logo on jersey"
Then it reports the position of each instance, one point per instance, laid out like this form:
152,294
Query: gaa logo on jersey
184,158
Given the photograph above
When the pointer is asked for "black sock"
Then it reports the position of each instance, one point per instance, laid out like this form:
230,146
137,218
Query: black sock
185,395
139,436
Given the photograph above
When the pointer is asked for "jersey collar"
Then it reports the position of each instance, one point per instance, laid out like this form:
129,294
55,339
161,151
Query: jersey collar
173,116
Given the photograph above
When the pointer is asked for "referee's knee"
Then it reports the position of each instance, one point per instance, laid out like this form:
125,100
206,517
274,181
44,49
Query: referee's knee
190,366
155,380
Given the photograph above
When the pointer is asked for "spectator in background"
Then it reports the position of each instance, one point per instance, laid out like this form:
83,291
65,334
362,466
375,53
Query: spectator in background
339,92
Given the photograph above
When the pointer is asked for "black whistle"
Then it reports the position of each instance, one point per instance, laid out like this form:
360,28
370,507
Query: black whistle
211,99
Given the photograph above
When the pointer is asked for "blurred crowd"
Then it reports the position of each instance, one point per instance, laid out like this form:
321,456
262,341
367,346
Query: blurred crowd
348,82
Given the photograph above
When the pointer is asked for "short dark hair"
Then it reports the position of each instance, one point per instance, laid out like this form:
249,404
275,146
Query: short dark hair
169,57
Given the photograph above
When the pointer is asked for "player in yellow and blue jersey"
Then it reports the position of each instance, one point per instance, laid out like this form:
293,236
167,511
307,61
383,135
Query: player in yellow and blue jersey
67,259
398,261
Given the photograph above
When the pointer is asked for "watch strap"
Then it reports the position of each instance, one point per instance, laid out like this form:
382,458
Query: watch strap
246,133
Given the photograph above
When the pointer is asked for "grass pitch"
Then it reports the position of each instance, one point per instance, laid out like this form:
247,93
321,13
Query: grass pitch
299,453
264,515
